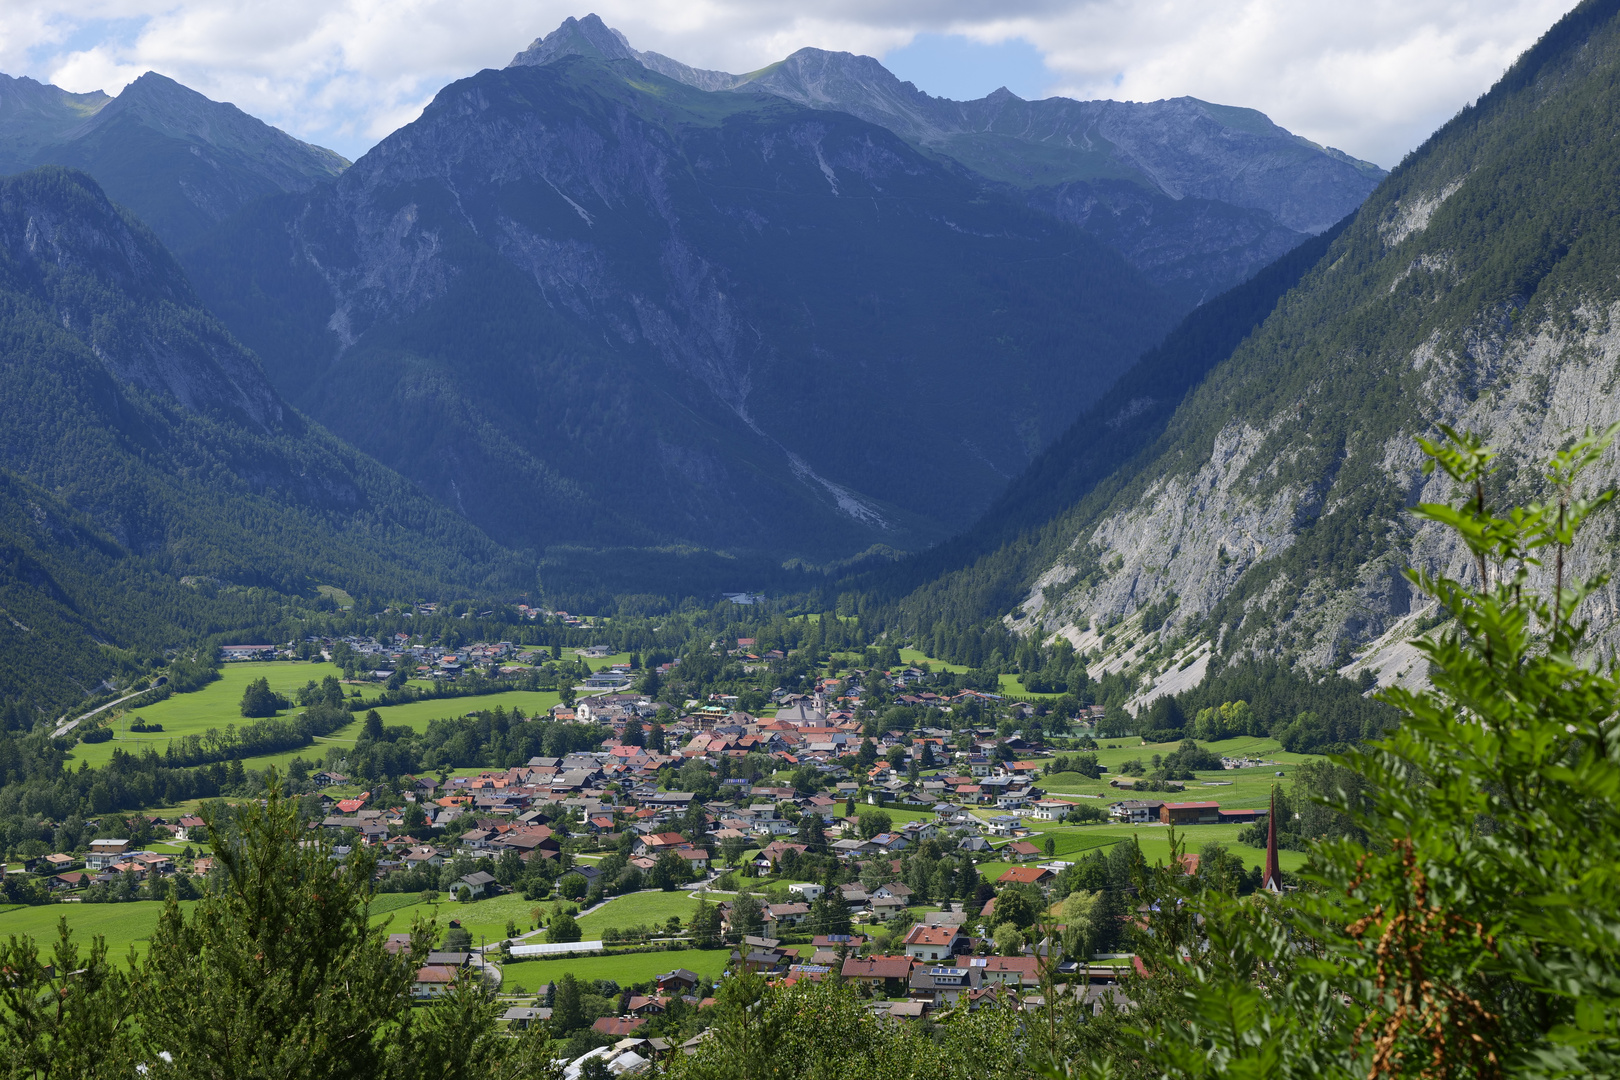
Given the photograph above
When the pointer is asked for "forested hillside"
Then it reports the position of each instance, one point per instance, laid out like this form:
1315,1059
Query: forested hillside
1476,287
166,457
585,304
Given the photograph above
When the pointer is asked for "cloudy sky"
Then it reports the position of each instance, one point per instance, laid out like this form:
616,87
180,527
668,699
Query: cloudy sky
1372,78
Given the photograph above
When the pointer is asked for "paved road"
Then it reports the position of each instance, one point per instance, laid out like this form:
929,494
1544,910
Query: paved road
71,724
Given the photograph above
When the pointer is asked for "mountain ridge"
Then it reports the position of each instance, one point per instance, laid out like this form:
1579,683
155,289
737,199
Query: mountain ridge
181,161
708,275
1196,195
152,436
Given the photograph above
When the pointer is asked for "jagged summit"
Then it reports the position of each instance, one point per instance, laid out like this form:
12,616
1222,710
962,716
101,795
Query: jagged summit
589,36
34,115
1178,148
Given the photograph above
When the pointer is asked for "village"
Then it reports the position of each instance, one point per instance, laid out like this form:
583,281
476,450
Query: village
791,841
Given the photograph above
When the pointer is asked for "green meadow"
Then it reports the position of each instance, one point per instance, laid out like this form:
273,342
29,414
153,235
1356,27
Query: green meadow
1009,684
485,920
123,925
1232,788
417,715
218,705
1073,841
214,706
916,658
623,968
638,909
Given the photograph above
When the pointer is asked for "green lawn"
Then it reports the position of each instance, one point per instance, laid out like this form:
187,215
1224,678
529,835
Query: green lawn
484,919
916,659
897,815
624,969
219,704
122,925
1011,687
418,714
214,706
1232,788
1009,683
598,665
1075,840
638,909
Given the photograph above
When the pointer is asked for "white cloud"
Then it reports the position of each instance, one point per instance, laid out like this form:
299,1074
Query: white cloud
1372,78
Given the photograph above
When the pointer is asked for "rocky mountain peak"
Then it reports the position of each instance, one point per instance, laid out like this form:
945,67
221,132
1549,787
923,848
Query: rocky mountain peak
171,109
589,36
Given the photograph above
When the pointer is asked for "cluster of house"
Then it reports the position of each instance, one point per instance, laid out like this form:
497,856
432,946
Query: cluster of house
110,860
422,660
1005,786
936,968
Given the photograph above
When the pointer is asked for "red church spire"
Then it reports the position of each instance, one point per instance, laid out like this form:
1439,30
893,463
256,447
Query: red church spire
1273,878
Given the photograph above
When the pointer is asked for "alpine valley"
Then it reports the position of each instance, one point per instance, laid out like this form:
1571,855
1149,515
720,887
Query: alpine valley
798,523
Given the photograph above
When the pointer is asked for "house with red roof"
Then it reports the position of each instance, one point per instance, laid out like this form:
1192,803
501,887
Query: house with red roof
935,942
1026,875
1190,813
1020,850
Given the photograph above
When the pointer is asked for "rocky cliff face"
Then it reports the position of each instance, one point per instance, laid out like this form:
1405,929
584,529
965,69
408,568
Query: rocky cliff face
1273,513
1197,196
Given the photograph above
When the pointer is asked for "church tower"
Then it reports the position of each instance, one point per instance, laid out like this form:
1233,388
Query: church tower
1273,877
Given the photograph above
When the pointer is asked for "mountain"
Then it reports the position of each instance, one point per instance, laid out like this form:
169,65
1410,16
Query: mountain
1119,426
1197,196
154,487
182,162
585,304
34,116
1479,287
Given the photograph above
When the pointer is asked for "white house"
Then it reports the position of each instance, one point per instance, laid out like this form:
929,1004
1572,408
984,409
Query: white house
1004,824
1050,809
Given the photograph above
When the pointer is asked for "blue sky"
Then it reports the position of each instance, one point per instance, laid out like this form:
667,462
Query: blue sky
958,67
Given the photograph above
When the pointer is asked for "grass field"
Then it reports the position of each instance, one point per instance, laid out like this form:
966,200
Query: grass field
418,714
1232,788
638,909
484,919
214,706
1009,684
624,969
1072,841
915,658
219,704
122,925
